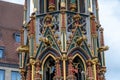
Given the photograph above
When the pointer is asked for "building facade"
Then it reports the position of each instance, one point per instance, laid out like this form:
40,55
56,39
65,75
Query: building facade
11,20
62,40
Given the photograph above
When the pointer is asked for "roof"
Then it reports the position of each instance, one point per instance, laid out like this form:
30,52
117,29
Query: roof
11,15
11,21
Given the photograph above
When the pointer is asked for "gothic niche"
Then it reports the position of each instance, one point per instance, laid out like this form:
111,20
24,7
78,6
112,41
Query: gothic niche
49,69
79,70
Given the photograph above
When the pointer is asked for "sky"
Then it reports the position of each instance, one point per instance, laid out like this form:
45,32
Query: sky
109,14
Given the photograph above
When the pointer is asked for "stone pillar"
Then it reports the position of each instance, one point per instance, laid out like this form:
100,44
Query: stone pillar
64,58
37,69
95,62
28,76
94,34
89,70
101,37
70,70
58,70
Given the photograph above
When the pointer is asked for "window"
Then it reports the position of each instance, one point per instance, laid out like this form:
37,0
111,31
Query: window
15,75
17,37
1,52
2,74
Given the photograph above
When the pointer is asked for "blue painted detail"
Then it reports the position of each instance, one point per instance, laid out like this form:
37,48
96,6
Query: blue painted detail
47,51
80,51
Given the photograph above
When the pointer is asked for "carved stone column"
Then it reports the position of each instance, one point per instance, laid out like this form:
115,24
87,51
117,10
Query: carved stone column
89,70
28,77
37,69
58,70
70,70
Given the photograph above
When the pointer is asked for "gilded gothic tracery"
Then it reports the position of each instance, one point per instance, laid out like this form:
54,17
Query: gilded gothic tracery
62,40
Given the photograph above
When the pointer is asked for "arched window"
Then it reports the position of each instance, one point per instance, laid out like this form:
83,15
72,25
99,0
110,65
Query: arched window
79,68
49,69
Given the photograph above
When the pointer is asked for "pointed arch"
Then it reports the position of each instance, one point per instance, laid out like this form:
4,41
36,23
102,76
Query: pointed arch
47,51
81,52
80,66
83,61
45,63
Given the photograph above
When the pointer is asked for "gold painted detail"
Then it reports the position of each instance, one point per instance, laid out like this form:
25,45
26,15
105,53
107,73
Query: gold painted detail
80,40
23,48
48,21
46,41
95,61
103,70
62,5
32,62
51,7
103,48
76,17
72,6
94,35
64,57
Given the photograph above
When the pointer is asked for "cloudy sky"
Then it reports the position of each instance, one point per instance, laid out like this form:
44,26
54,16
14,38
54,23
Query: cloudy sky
110,20
109,11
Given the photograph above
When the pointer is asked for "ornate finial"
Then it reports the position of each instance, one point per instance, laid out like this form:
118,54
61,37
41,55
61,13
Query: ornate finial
46,41
48,20
23,48
76,18
103,48
62,5
51,5
80,39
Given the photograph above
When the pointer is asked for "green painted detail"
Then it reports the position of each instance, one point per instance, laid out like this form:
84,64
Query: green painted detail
95,46
43,48
31,47
72,1
103,59
53,43
72,46
63,41
84,45
76,35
